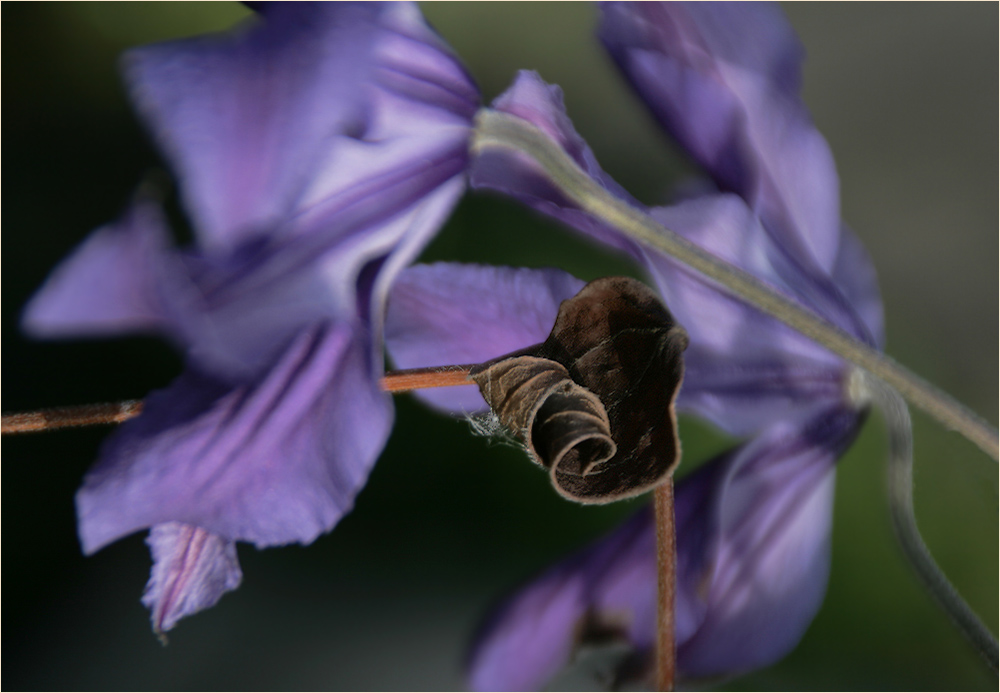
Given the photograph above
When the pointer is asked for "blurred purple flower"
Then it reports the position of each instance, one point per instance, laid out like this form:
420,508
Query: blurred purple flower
317,149
754,523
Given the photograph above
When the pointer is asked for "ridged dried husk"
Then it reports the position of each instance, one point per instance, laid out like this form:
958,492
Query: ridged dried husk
594,403
556,418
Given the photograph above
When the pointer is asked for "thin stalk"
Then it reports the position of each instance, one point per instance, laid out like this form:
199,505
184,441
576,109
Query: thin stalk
897,418
501,131
666,585
118,412
70,417
422,378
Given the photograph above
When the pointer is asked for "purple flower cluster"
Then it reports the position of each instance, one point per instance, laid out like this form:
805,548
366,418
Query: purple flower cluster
318,149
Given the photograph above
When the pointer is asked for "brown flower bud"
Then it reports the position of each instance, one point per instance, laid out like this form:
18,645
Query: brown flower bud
594,403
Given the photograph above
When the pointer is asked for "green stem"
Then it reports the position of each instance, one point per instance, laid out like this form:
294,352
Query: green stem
904,521
496,130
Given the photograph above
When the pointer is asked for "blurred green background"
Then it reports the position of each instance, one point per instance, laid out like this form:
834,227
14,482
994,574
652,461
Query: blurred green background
907,97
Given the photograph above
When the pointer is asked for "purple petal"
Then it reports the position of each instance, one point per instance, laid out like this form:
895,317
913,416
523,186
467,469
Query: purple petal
372,203
420,108
855,276
415,64
722,78
532,636
238,313
273,461
335,118
450,314
245,116
519,176
192,569
753,532
109,284
769,553
743,369
725,227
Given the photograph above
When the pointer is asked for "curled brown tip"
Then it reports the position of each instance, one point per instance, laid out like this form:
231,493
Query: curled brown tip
594,403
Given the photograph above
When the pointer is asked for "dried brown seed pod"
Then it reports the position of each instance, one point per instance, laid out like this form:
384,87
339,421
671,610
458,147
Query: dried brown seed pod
594,403
561,423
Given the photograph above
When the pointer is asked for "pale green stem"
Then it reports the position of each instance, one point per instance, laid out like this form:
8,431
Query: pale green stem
496,130
897,419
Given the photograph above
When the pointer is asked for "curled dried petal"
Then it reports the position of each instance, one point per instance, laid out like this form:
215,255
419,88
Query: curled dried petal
613,362
564,426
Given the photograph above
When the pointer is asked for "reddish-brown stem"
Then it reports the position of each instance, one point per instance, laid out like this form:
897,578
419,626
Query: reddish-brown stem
666,585
117,412
66,417
421,378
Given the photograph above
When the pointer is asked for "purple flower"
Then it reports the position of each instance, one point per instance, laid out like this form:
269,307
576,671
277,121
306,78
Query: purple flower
317,149
753,524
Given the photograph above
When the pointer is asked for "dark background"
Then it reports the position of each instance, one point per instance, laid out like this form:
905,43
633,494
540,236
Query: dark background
907,97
